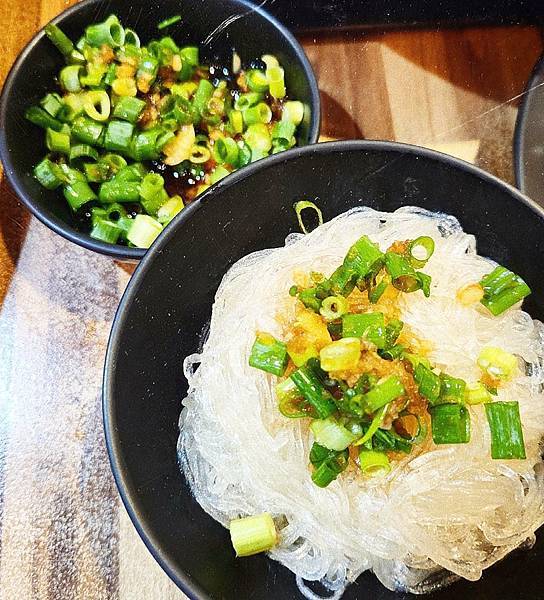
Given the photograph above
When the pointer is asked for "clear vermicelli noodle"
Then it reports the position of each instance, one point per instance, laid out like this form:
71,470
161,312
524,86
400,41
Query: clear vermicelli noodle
443,511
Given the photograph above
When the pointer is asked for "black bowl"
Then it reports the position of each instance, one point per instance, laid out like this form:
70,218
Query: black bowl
529,137
169,300
255,32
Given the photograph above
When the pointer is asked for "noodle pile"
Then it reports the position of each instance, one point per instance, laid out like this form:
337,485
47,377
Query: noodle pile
448,512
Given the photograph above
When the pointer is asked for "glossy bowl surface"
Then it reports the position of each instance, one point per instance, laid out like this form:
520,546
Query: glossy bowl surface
168,303
228,24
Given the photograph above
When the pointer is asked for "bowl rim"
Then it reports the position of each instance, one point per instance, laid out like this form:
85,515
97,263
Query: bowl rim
67,231
115,453
521,123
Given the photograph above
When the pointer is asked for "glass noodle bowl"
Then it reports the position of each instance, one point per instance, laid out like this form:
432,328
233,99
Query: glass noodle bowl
442,511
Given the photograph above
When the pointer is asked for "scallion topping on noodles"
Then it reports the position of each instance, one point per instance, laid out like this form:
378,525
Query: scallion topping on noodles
387,424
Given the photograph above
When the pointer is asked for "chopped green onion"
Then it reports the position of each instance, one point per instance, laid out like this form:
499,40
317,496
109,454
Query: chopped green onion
78,193
58,141
97,98
293,112
420,250
202,96
152,193
245,101
502,289
374,463
257,137
385,391
59,39
282,134
132,38
144,231
129,109
52,104
477,394
105,231
87,131
390,441
428,382
450,424
118,136
82,153
257,81
506,432
119,191
260,113
330,434
303,205
226,150
375,293
371,326
252,535
48,174
392,332
290,402
497,363
96,172
333,307
313,391
392,353
328,464
110,33
269,354
364,257
168,22
276,82
219,173
170,209
236,121
69,78
403,275
452,389
342,355
374,426
40,117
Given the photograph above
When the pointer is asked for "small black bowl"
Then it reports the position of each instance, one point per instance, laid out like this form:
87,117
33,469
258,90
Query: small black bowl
252,34
169,301
529,137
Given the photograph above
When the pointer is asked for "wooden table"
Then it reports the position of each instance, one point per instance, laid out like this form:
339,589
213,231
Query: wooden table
63,532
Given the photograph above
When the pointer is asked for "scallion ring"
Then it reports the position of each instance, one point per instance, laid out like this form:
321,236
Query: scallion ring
97,98
333,307
303,205
420,250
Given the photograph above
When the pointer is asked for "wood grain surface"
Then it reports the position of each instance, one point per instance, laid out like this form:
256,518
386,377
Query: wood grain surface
63,531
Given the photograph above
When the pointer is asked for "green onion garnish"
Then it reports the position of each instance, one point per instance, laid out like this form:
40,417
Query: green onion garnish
506,432
251,535
450,424
268,354
374,463
502,289
476,394
168,22
420,250
313,391
374,425
364,258
328,464
341,355
330,434
385,391
303,205
452,389
497,363
333,307
370,326
428,382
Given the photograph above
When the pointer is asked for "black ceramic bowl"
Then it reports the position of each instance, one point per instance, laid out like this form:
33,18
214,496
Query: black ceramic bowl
252,34
169,300
529,137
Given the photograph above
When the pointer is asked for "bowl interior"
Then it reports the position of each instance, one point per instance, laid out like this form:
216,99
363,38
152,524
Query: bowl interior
529,138
169,301
249,32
